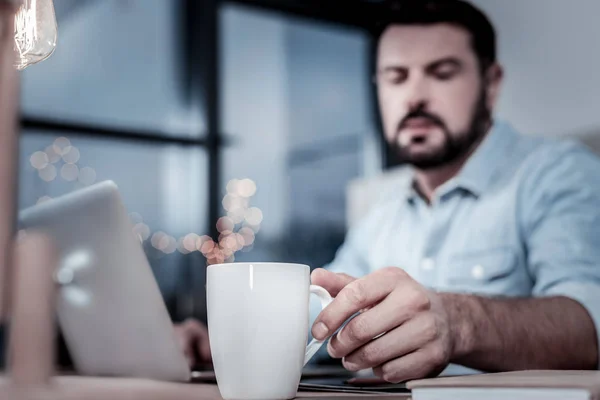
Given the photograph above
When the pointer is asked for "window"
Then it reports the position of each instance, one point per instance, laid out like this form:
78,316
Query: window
117,64
291,129
112,99
296,105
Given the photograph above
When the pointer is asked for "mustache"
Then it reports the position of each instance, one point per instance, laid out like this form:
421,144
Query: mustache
434,119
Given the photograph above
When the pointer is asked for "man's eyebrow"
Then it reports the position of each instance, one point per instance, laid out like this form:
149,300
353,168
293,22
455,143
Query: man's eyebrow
452,61
393,68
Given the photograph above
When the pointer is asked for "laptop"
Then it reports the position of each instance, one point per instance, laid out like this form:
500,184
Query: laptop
110,309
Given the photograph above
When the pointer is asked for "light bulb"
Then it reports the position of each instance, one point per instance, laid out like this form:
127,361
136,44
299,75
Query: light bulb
35,32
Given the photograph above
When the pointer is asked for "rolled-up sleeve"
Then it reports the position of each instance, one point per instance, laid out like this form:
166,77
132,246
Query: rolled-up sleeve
562,229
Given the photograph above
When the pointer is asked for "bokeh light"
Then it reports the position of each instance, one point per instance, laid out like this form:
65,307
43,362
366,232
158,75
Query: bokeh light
87,176
232,186
207,247
237,216
171,246
61,145
255,228
181,246
164,243
69,172
48,173
247,235
253,216
53,156
39,160
142,230
201,240
246,188
228,242
239,241
157,238
215,257
71,155
233,203
236,203
189,242
225,225
227,200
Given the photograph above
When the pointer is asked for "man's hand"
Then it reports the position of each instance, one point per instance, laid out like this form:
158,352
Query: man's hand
402,330
193,341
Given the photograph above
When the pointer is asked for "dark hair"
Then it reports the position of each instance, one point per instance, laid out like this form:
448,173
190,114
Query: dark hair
455,12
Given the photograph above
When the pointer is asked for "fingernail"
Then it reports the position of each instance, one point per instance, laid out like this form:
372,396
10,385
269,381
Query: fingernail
320,331
350,366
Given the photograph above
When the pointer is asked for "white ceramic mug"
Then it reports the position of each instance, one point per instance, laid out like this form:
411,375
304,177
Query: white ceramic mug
258,321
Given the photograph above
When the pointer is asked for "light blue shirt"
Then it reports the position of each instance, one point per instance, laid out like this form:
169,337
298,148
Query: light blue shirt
521,219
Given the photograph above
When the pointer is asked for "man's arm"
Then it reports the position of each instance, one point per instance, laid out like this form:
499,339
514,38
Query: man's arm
560,226
514,334
404,331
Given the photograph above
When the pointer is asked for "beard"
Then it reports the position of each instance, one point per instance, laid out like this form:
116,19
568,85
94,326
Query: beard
455,144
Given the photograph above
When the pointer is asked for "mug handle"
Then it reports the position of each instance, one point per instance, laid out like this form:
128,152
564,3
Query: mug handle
326,299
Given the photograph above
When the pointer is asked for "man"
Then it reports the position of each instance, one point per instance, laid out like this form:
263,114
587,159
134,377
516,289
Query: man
490,257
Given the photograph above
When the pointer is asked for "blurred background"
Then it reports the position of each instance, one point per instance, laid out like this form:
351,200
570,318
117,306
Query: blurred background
247,130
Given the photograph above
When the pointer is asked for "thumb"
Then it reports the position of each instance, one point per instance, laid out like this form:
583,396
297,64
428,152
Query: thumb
204,350
330,281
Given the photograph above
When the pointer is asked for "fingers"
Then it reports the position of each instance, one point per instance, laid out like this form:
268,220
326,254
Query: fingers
403,304
399,342
330,281
32,312
188,352
185,344
420,364
194,342
203,344
354,297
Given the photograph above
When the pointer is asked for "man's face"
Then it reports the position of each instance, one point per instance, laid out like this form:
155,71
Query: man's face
432,97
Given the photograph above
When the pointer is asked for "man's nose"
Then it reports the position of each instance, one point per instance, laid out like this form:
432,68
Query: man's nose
418,95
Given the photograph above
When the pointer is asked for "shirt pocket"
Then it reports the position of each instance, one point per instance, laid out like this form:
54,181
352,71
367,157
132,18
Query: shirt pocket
486,271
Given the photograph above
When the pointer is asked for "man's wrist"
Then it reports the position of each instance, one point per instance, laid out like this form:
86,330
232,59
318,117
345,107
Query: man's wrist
461,311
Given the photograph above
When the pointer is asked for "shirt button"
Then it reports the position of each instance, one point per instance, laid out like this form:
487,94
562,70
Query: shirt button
477,272
427,264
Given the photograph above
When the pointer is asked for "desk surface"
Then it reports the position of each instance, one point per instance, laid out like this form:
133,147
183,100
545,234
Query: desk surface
132,389
210,392
78,388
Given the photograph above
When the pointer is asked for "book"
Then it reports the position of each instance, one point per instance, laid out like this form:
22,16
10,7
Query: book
518,385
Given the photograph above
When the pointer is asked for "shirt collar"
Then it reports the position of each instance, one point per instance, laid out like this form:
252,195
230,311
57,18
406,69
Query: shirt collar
482,168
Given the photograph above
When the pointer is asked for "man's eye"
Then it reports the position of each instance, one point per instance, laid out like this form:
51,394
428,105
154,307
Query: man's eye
394,77
445,74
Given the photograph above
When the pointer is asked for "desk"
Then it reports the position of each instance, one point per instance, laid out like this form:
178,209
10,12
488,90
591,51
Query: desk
211,392
84,388
78,388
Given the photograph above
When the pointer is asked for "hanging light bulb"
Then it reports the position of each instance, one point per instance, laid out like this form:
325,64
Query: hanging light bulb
35,32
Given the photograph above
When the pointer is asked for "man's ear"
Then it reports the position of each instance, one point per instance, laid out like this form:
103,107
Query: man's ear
493,79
